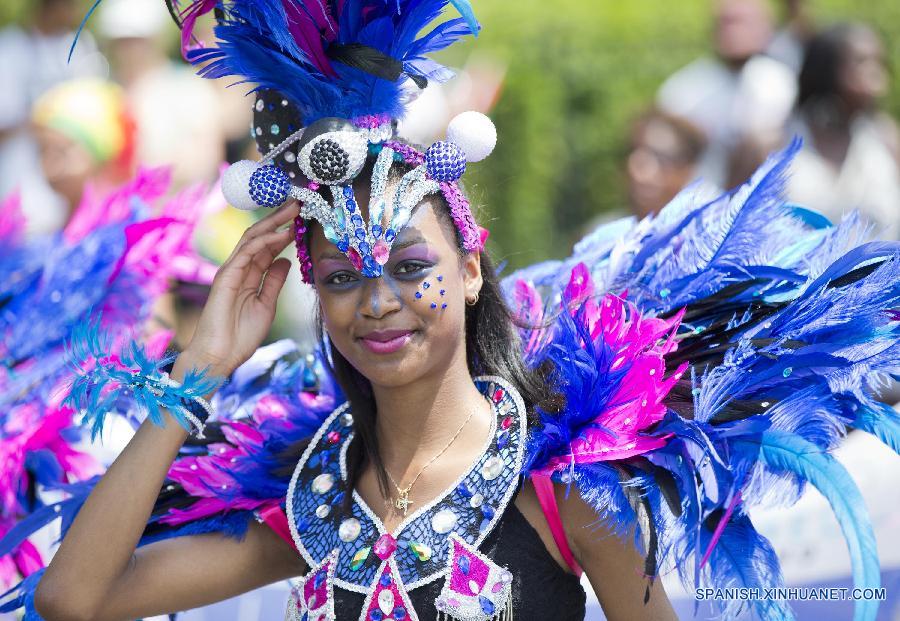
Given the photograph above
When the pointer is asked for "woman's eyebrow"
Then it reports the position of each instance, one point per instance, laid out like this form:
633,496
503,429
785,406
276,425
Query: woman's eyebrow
406,243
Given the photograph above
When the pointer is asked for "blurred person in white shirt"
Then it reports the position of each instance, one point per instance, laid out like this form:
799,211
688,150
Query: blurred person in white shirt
179,118
33,59
736,93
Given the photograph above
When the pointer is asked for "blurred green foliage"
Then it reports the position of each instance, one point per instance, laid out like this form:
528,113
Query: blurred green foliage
578,72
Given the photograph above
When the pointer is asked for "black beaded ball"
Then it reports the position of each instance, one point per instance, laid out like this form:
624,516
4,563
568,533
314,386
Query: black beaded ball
329,161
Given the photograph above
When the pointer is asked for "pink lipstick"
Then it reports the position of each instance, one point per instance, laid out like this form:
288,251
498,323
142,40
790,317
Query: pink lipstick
386,341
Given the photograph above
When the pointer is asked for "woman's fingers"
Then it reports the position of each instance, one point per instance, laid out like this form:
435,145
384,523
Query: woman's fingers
246,267
275,279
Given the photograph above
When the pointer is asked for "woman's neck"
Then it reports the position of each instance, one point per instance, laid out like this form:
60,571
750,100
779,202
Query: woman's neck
417,420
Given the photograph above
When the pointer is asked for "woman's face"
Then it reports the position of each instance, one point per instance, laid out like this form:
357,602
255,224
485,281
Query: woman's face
863,76
410,322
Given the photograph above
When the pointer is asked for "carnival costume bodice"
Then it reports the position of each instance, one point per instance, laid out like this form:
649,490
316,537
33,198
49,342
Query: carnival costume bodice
436,560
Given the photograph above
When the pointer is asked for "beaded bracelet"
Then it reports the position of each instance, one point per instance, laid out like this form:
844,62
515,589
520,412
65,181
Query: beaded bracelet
195,409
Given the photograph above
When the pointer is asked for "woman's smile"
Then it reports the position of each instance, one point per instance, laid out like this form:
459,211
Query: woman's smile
386,341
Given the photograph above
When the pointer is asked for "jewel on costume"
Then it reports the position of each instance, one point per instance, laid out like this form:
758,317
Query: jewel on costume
387,597
313,597
475,589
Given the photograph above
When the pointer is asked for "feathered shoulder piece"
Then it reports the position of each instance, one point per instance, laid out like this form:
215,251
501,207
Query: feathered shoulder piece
711,358
330,58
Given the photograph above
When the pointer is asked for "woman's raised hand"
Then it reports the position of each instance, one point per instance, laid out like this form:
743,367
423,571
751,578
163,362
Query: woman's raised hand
241,304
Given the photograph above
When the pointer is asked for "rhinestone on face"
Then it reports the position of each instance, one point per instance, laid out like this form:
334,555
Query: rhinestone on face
492,468
349,530
443,521
322,483
322,511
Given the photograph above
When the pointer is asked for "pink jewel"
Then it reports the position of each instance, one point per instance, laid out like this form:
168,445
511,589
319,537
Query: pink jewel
497,586
506,422
498,394
385,546
312,185
333,437
380,252
453,603
355,259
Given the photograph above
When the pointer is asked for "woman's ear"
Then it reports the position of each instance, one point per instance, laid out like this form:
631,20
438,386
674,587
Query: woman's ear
472,279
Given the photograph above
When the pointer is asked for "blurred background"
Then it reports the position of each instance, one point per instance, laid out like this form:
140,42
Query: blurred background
604,109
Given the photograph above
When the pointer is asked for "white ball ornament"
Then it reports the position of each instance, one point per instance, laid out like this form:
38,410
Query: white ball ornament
236,185
474,133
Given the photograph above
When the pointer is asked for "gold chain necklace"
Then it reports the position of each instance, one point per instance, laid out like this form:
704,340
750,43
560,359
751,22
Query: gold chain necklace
402,503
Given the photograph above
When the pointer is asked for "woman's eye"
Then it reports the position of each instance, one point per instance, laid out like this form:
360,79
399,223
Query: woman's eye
340,278
410,267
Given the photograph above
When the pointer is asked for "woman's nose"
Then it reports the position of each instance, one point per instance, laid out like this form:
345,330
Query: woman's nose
380,298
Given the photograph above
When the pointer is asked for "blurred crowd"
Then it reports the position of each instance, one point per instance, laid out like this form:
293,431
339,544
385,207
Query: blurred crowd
761,85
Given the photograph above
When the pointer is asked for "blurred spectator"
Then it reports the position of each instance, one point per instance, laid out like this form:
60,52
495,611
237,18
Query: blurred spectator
85,135
663,154
789,42
179,117
740,92
851,155
33,59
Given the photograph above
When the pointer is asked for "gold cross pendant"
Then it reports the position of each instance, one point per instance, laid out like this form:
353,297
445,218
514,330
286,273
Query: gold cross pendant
403,500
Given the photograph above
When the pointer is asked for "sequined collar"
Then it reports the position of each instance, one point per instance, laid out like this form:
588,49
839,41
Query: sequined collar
470,507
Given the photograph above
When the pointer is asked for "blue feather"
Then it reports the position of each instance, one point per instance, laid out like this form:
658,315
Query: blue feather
882,421
784,452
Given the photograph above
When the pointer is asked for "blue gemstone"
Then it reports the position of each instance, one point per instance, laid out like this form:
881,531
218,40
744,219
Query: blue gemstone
433,305
487,606
351,205
385,580
444,305
356,219
487,511
418,295
389,235
348,191
369,263
376,231
325,458
464,564
338,499
425,285
319,579
309,378
502,439
376,615
464,490
440,278
313,460
399,613
302,525
360,234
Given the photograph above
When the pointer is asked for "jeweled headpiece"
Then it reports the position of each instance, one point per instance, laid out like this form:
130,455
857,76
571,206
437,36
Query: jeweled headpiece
332,79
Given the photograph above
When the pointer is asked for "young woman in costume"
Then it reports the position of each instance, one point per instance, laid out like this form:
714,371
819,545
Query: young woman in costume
452,458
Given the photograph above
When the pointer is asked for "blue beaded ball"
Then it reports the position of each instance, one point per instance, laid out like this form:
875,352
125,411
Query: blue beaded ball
269,186
445,161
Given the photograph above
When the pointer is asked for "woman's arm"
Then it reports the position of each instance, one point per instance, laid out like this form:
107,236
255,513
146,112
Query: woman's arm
97,572
98,575
613,566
